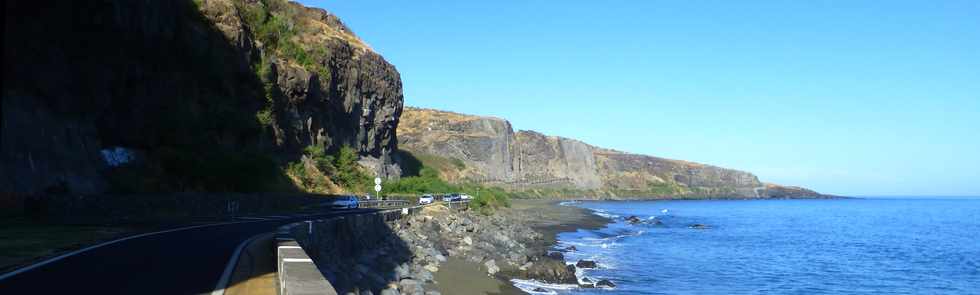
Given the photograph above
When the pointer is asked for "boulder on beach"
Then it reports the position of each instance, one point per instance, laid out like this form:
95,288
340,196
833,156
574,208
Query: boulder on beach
491,267
551,271
585,264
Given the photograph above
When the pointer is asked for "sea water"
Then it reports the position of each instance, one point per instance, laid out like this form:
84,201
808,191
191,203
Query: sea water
844,246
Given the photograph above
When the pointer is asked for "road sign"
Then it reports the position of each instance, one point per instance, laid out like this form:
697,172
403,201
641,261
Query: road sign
377,180
377,187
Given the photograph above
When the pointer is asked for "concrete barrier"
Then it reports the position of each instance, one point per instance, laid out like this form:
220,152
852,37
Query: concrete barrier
307,251
295,271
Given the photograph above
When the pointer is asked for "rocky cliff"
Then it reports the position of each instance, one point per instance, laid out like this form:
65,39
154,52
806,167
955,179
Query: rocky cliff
494,154
203,95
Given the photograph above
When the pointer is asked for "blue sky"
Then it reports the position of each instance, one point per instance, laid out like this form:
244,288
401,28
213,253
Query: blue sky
845,97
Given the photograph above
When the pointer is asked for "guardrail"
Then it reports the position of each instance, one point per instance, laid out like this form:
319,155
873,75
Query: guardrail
382,203
297,272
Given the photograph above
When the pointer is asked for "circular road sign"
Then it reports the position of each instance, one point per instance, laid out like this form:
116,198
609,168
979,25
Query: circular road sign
377,187
377,180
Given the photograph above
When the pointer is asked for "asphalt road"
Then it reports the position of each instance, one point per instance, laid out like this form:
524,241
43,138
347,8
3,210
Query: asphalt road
180,262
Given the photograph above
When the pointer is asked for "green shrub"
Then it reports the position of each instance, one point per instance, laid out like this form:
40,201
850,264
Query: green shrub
341,167
427,180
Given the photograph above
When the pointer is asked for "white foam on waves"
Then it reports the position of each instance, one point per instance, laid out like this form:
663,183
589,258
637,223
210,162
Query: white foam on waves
605,214
529,286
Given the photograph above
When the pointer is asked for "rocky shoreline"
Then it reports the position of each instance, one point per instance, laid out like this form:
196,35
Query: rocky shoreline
514,243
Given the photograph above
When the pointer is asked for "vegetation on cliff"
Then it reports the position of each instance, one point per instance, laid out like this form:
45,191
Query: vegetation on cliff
426,173
319,172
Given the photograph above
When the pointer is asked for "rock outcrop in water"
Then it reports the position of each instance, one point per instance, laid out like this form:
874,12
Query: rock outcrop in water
493,153
188,87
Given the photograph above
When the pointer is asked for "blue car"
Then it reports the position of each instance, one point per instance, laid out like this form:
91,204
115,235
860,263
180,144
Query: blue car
344,202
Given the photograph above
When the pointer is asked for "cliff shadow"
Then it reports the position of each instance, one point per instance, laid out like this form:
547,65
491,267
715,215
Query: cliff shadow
160,84
362,252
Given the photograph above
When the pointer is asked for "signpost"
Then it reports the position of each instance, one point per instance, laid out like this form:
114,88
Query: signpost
377,187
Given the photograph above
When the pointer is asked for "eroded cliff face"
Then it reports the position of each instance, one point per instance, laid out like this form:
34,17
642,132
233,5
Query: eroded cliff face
483,143
184,85
494,154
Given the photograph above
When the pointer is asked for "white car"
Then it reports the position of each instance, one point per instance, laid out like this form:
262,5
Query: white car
345,202
465,197
426,199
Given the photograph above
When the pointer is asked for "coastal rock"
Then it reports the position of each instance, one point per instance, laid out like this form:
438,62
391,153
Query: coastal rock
551,271
556,255
408,286
699,226
571,249
633,219
585,264
402,271
605,284
525,266
491,267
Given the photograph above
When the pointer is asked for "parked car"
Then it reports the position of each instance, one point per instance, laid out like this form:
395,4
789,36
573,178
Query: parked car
345,202
465,197
447,198
426,199
452,198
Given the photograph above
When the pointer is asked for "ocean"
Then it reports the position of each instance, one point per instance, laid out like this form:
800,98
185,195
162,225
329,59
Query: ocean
843,246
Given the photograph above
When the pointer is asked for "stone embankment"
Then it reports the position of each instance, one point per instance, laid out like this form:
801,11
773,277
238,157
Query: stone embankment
398,251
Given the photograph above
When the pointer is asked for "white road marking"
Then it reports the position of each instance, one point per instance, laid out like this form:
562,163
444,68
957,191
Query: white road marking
219,289
290,247
251,218
89,248
297,260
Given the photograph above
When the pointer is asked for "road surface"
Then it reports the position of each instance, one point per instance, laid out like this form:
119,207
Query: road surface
187,261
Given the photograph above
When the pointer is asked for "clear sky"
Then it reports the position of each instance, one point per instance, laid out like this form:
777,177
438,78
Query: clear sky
844,97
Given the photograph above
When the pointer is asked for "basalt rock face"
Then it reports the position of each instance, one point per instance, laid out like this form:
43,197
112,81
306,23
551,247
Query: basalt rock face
484,143
176,77
494,154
